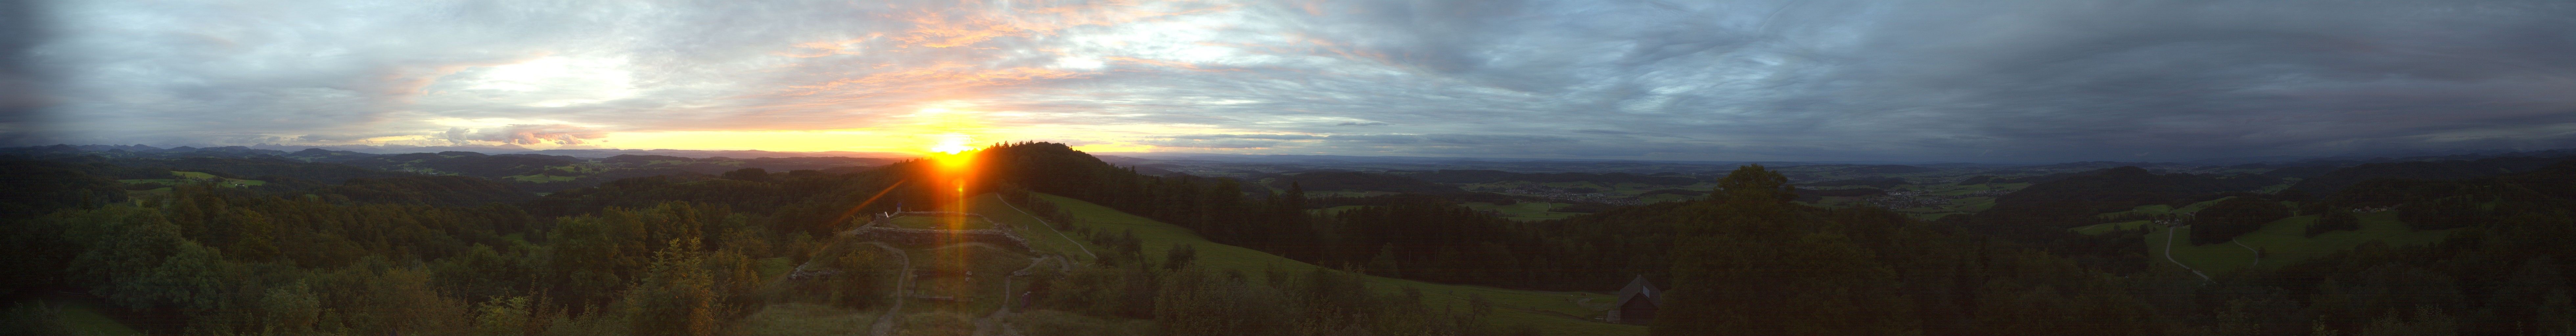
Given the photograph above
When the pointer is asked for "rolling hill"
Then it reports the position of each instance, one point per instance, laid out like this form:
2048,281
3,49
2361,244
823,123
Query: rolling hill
1554,313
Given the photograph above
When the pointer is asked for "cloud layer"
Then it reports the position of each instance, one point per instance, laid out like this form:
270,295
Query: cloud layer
1728,80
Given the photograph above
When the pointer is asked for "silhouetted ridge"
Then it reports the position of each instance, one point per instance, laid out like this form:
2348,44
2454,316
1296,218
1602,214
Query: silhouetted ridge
2331,182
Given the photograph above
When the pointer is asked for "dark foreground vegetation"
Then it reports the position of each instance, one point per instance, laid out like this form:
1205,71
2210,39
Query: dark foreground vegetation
380,252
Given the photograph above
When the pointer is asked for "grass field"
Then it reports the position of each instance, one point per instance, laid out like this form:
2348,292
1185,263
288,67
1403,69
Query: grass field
2286,241
802,319
774,267
1553,313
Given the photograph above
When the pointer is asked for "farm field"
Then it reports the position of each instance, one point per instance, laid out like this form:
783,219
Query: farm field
1525,211
2285,241
1609,190
188,177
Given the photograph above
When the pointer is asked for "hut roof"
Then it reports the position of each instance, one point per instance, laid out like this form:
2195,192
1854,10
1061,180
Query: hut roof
1638,286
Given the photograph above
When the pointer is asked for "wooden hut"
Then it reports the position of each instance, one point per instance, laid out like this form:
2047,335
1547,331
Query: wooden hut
1636,302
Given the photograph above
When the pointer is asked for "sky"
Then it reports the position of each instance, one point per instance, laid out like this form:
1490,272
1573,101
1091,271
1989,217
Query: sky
1972,81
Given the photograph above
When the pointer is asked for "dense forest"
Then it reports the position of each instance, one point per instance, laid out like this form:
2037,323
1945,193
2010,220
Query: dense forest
354,250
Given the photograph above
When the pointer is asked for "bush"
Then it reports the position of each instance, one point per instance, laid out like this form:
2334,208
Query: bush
862,279
1179,256
2334,220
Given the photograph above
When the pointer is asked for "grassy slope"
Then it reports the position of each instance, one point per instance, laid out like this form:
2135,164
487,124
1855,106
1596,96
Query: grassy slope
1042,238
1551,312
82,313
2286,241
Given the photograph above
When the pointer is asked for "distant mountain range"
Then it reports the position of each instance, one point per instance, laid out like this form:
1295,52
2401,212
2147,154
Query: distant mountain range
525,170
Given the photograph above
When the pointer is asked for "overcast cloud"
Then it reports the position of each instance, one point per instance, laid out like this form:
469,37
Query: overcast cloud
1996,81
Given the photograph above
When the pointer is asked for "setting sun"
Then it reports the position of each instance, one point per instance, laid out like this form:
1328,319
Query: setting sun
952,143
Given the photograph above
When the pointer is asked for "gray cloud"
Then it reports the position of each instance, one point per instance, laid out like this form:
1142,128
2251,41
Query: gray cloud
1213,143
526,134
1246,136
1717,80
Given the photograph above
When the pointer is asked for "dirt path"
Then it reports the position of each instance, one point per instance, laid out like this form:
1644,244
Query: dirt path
2258,254
990,324
885,323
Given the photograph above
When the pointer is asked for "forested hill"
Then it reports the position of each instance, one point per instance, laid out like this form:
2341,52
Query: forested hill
2331,182
2073,200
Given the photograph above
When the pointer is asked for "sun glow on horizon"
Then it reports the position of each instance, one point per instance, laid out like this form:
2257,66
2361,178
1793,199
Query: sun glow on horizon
952,143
